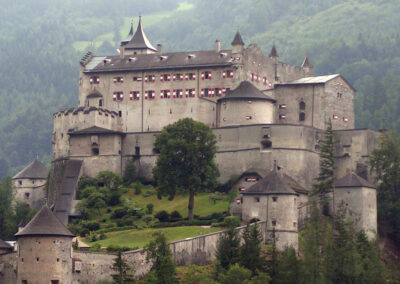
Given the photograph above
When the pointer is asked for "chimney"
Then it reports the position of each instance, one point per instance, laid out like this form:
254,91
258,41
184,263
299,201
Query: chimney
159,48
122,52
217,46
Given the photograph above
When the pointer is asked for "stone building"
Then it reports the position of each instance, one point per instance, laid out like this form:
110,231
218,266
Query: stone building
44,251
5,247
30,184
261,110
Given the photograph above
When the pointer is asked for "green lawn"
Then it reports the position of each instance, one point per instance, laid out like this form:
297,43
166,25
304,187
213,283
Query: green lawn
203,206
139,238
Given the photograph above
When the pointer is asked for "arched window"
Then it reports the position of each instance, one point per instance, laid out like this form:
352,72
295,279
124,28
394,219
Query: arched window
302,116
302,105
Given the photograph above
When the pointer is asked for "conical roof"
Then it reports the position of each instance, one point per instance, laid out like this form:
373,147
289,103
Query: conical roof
306,63
4,245
44,223
273,183
139,40
273,52
246,90
353,180
131,30
237,40
35,170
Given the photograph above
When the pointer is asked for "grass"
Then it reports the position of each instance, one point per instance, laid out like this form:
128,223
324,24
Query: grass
139,238
203,206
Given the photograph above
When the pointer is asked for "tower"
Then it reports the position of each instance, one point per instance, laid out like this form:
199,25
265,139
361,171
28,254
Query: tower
44,250
237,43
307,66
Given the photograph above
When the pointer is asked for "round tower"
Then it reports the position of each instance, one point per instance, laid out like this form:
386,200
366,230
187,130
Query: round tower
44,250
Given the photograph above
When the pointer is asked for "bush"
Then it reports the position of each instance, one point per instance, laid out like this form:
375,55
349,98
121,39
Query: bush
109,179
162,215
95,247
150,208
115,248
218,216
233,221
114,198
129,173
176,215
149,192
119,212
90,225
182,223
227,186
148,219
138,189
102,236
84,232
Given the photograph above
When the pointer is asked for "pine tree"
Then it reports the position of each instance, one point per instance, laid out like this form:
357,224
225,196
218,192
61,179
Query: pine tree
250,251
272,263
326,177
288,269
123,271
159,254
228,248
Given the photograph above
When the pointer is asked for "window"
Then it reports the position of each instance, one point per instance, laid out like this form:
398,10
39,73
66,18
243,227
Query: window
120,113
282,116
37,259
339,95
24,281
178,76
295,224
274,199
206,75
137,79
178,93
207,92
227,74
274,223
190,93
118,96
345,119
58,260
335,117
248,117
151,94
100,103
302,116
150,78
27,194
302,105
219,92
257,199
94,80
165,77
165,94
190,76
118,79
55,281
95,149
282,106
134,95
20,182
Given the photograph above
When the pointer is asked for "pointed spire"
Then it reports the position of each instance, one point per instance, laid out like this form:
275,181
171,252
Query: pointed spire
273,52
131,31
237,40
139,39
306,63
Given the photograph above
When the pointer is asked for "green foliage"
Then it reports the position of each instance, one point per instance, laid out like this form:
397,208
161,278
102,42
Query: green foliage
159,254
7,225
236,275
129,173
288,268
123,273
162,215
232,221
95,248
250,250
138,189
176,215
150,208
326,177
228,248
385,163
109,179
186,160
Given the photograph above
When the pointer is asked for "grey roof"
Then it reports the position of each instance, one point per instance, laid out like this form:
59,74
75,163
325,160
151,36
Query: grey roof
353,180
139,39
315,80
93,130
272,183
35,170
4,245
237,40
155,61
306,62
45,223
246,90
95,94
273,52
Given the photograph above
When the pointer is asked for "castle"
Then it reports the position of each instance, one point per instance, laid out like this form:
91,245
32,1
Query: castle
268,118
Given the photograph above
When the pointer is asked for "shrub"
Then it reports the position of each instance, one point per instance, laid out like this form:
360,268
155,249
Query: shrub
84,232
114,198
109,179
218,216
95,247
115,248
150,208
162,215
129,173
102,236
90,225
233,221
148,219
149,192
138,189
119,212
176,215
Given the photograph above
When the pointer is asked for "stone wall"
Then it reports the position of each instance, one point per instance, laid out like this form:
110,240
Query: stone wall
8,268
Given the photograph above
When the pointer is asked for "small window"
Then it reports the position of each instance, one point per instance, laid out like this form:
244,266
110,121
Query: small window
24,281
120,113
137,79
27,194
94,80
118,79
192,93
206,75
257,199
302,105
55,281
274,198
22,259
165,94
302,116
339,95
295,224
282,106
282,116
100,103
134,96
58,260
191,76
20,182
37,259
118,96
95,151
137,151
274,223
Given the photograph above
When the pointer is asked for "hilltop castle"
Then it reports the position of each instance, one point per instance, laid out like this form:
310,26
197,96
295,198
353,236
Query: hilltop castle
265,114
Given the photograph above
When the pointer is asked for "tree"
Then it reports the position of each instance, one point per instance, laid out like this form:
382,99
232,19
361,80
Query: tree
288,268
228,248
326,177
159,254
385,163
129,173
123,271
186,160
250,251
7,222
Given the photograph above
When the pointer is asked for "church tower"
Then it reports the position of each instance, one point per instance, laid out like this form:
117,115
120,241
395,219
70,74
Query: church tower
139,44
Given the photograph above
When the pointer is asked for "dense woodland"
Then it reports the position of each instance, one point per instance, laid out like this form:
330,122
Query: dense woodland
42,42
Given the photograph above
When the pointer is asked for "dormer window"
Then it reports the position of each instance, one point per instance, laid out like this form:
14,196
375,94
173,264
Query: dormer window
335,117
345,119
223,54
94,80
107,60
118,79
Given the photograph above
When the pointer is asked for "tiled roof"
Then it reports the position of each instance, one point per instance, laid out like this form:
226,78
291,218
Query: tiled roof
273,183
353,180
94,130
35,170
156,61
45,223
237,40
246,90
139,39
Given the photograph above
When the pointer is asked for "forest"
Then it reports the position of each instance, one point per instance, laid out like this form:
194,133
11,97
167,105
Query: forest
42,42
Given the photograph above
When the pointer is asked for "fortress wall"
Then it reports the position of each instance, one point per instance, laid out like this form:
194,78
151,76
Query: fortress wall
8,268
289,73
198,250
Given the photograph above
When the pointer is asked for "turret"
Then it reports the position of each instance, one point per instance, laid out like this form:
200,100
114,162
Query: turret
237,43
273,54
307,66
139,44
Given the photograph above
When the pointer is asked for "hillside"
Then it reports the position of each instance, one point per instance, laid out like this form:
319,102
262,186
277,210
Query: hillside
42,43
